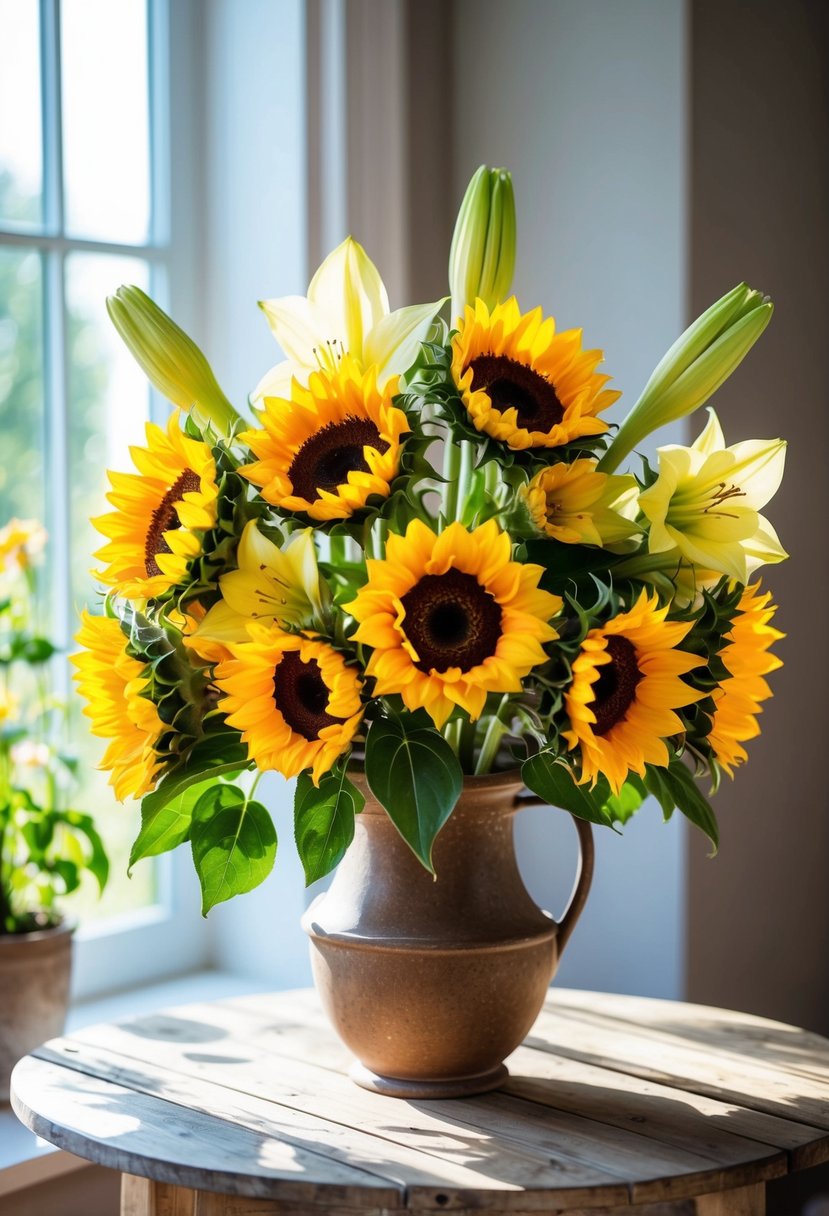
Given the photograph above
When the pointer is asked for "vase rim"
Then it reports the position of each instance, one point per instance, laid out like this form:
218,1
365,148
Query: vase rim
502,779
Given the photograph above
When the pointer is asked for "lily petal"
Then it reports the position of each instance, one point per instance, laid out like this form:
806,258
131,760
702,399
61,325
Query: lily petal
394,340
348,289
297,326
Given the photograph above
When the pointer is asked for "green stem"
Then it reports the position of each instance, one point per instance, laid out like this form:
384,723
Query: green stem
451,471
464,480
452,734
495,732
336,550
647,563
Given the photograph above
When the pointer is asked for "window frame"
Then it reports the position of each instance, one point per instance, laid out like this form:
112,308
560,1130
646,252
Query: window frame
169,936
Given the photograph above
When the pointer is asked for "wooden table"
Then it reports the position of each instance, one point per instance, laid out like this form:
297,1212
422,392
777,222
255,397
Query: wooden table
241,1107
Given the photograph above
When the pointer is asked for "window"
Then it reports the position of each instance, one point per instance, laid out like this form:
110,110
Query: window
84,206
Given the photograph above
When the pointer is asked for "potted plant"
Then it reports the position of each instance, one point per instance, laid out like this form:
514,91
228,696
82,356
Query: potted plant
415,579
45,845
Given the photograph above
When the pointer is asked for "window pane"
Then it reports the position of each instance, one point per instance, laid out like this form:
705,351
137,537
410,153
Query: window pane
21,163
106,146
21,386
108,407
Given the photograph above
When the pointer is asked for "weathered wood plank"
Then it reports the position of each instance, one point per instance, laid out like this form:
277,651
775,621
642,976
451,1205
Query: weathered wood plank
628,1049
656,1167
612,1102
467,1165
140,1133
144,1197
717,1030
660,1167
406,1167
749,1201
723,1132
137,1196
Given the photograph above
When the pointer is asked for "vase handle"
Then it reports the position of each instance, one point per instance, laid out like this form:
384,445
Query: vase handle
584,874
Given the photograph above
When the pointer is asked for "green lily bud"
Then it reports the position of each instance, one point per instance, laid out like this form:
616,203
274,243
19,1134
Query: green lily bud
482,256
700,360
170,359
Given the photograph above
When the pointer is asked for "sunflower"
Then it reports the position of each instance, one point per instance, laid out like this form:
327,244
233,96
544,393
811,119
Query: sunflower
332,447
524,384
161,513
294,699
626,685
113,684
451,618
747,660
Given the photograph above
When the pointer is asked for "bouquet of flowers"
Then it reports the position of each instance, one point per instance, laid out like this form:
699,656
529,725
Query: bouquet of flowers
416,557
45,845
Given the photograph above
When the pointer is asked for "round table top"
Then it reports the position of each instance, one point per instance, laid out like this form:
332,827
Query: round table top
611,1101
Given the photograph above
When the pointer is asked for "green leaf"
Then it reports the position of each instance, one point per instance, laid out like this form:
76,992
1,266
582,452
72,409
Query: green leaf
324,821
676,785
37,650
552,780
97,862
166,825
216,755
68,872
233,842
622,806
413,773
660,790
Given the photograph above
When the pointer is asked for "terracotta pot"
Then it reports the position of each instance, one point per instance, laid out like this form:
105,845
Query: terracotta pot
433,982
35,969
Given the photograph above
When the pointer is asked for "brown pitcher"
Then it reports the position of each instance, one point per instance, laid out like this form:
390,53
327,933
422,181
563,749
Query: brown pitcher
432,982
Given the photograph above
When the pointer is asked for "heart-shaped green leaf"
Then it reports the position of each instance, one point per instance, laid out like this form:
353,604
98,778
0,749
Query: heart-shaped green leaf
324,821
233,842
413,773
675,786
553,781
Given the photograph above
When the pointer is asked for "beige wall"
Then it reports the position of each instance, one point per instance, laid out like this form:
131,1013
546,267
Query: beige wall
585,102
758,915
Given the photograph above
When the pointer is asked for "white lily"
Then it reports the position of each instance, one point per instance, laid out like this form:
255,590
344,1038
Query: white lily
704,506
346,310
271,585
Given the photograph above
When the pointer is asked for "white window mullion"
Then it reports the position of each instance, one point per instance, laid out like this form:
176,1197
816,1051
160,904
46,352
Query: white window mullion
55,379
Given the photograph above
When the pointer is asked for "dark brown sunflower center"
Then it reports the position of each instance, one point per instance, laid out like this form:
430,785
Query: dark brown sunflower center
451,621
325,460
301,696
510,384
615,689
165,519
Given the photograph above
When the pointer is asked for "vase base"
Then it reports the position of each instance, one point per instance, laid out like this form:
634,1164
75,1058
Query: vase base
450,1087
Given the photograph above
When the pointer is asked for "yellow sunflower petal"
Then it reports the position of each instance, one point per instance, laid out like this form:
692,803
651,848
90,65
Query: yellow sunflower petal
294,699
450,617
524,384
112,684
160,516
330,448
626,686
738,700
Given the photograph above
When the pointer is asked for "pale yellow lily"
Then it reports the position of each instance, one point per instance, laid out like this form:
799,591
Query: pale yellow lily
271,585
346,310
704,506
575,505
